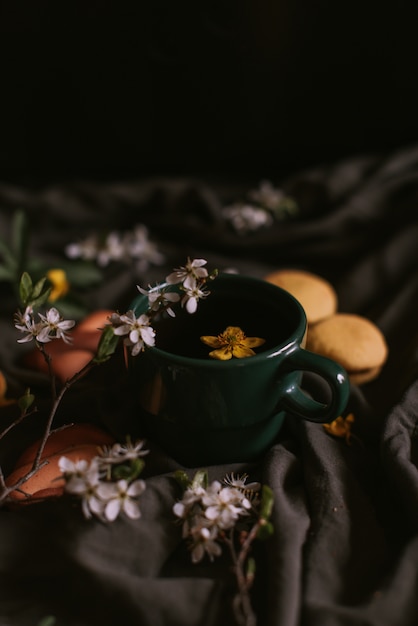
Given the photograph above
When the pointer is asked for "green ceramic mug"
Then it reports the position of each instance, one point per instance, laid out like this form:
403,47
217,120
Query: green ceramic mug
204,411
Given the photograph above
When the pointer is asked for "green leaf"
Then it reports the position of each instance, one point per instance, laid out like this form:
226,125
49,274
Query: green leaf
38,302
265,531
26,401
200,479
107,345
182,478
267,501
25,288
251,567
37,289
128,472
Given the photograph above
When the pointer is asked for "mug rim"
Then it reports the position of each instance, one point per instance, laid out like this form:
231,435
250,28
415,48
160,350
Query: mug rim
291,342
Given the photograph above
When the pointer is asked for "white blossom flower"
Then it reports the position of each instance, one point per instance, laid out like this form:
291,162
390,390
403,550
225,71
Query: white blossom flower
267,195
203,542
189,508
139,332
120,497
189,275
191,496
53,326
112,249
94,249
191,298
118,247
245,218
71,468
26,324
86,249
119,453
224,505
240,482
83,479
139,246
159,299
209,512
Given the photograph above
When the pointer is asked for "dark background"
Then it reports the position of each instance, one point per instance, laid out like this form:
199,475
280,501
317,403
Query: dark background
106,89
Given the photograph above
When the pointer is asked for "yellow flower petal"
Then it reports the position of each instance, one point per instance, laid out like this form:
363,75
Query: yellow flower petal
232,342
253,342
341,427
60,284
223,354
211,341
241,352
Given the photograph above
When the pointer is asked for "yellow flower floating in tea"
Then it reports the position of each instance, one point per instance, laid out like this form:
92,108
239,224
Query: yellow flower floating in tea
232,343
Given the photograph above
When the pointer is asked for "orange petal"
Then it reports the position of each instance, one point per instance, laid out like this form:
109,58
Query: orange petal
241,352
211,341
223,354
253,342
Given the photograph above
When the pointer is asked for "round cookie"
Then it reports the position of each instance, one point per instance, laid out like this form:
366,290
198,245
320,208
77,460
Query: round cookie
352,341
316,295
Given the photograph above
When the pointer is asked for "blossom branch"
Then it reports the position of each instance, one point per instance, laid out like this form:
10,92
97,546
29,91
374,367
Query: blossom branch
17,421
242,606
185,285
48,327
210,517
56,403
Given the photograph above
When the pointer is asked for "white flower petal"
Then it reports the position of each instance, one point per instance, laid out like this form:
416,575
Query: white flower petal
112,510
191,305
131,508
198,553
148,335
179,509
107,491
136,488
96,506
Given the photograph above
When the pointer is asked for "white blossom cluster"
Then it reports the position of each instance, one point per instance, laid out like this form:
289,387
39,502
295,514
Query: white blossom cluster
191,277
137,331
209,512
104,493
245,217
49,326
266,204
119,247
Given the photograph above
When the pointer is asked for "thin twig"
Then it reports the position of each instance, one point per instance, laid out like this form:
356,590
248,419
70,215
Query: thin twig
243,610
38,463
68,383
17,421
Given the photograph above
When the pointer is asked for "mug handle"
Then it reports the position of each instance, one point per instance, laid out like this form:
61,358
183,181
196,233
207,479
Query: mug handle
299,403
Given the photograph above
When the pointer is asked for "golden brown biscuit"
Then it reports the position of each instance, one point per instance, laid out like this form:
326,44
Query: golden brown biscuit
316,295
352,341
